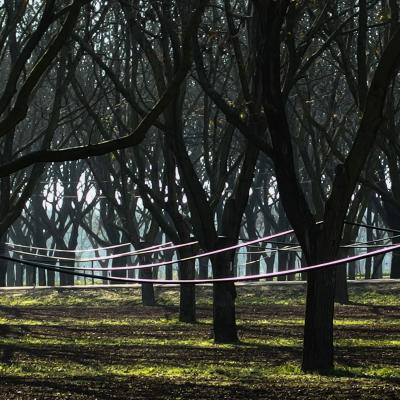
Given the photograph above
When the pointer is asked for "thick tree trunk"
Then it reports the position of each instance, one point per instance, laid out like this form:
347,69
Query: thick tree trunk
224,295
318,330
187,300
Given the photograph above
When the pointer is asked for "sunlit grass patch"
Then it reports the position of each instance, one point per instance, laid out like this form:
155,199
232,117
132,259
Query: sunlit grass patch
65,297
257,295
133,322
337,322
254,299
219,373
212,373
92,341
369,371
373,297
174,322
357,342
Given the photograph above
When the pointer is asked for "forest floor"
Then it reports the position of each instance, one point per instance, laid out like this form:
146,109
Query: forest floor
102,344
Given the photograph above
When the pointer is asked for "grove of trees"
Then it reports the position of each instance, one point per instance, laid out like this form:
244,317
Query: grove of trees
151,121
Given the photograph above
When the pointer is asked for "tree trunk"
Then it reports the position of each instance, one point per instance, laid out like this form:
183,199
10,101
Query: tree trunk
168,256
10,274
30,276
51,276
393,219
318,329
395,265
67,279
3,266
119,262
42,272
291,265
19,275
253,260
368,261
148,298
377,272
187,301
351,267
270,262
224,295
203,267
282,263
341,290
42,277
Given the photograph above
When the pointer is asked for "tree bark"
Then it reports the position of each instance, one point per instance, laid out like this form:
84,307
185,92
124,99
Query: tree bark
187,300
318,329
119,262
224,295
148,297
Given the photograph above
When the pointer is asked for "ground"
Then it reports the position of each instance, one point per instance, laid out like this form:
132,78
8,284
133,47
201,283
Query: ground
102,344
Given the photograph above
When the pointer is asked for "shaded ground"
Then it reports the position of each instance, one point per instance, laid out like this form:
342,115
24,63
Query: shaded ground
64,344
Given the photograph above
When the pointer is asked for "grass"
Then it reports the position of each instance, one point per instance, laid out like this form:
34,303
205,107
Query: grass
256,295
94,344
